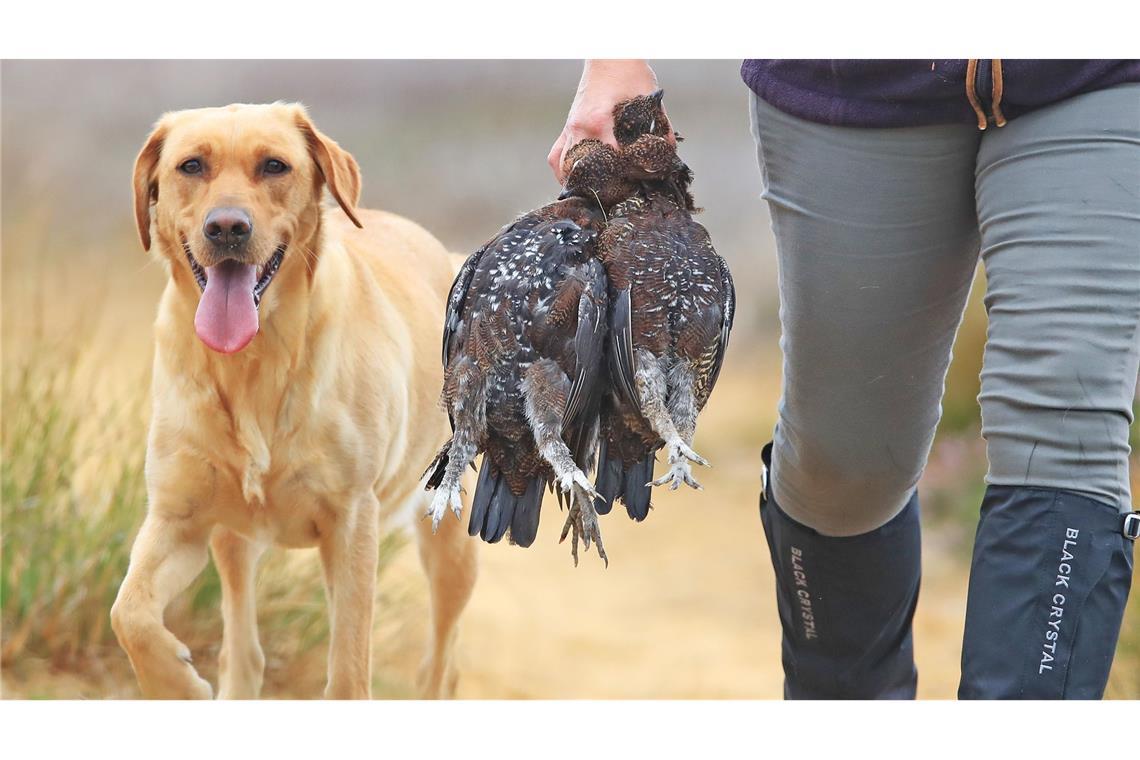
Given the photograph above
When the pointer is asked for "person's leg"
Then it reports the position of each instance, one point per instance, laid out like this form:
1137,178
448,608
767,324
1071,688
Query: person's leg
877,244
1058,194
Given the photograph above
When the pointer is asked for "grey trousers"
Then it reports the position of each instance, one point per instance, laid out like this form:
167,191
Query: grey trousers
878,235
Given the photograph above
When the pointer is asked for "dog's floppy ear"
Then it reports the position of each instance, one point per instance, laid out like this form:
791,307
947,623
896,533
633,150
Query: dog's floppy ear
339,169
145,182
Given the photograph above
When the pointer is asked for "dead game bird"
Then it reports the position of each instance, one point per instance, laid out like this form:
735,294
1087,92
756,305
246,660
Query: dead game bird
641,116
671,307
644,162
523,353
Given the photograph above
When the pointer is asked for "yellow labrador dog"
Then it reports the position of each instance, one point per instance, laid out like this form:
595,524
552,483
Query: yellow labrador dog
296,378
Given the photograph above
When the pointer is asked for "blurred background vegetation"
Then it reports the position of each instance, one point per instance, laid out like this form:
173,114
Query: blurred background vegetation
459,147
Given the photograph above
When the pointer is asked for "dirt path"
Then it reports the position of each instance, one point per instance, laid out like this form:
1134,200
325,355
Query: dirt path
687,606
685,610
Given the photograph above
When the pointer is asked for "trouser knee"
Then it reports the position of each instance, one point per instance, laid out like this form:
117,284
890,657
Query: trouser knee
842,490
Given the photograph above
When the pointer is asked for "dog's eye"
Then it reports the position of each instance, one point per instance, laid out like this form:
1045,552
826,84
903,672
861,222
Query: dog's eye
190,166
274,166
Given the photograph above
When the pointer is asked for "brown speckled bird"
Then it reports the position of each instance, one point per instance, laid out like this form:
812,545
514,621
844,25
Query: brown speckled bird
644,162
671,308
523,351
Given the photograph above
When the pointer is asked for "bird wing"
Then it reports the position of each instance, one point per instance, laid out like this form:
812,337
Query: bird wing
728,311
621,362
616,242
456,297
589,340
705,337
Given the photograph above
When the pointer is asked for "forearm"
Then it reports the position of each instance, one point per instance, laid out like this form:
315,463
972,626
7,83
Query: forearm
632,75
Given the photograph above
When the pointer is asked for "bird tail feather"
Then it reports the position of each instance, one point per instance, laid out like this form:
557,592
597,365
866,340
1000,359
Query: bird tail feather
615,481
495,509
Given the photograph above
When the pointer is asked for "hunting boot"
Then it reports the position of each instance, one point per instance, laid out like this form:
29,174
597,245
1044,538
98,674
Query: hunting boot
846,604
1048,585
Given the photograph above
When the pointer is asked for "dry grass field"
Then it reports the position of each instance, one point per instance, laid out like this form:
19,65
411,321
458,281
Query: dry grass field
686,608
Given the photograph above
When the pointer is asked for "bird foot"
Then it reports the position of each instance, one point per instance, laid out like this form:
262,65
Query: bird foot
445,496
583,520
680,455
576,478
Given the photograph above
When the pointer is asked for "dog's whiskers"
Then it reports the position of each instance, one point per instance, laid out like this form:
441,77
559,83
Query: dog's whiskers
309,256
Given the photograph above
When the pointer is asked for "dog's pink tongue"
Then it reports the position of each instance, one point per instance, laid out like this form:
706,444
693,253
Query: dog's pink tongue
227,317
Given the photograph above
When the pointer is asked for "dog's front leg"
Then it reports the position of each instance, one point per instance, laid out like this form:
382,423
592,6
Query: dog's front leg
241,664
167,555
350,553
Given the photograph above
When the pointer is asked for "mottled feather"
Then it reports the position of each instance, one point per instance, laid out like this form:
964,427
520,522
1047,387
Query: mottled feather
524,334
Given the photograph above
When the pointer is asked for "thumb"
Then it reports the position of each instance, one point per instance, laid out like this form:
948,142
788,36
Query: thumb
554,158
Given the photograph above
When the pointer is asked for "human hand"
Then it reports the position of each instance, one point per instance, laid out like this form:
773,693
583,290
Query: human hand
604,84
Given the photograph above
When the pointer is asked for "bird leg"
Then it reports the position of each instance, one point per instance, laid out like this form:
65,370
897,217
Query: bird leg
580,492
460,454
466,395
677,435
545,388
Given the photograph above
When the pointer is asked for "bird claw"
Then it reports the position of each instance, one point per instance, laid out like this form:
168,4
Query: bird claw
681,450
582,518
678,473
577,478
443,499
679,470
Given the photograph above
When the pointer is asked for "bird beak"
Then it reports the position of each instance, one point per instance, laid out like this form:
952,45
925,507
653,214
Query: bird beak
656,96
565,194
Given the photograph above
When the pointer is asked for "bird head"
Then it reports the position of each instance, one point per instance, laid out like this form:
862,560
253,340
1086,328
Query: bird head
643,115
595,172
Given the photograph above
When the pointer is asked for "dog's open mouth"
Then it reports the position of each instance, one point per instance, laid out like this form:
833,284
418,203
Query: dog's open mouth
226,319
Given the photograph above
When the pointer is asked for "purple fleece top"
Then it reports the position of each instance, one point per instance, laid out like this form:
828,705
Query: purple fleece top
907,93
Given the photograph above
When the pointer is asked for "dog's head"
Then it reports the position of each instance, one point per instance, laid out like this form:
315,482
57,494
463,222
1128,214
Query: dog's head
235,195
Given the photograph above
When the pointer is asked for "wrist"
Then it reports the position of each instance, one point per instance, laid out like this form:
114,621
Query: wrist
625,78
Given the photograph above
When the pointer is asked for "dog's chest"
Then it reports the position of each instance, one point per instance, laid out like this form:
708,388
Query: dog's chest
291,487
295,504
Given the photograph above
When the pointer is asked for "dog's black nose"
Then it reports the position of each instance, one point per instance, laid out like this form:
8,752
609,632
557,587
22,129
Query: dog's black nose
228,227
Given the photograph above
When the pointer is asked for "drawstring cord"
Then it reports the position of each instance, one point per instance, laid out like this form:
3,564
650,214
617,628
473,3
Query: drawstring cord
995,108
972,93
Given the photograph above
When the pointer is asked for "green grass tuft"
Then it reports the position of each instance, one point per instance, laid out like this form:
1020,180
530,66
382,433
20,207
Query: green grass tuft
73,495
